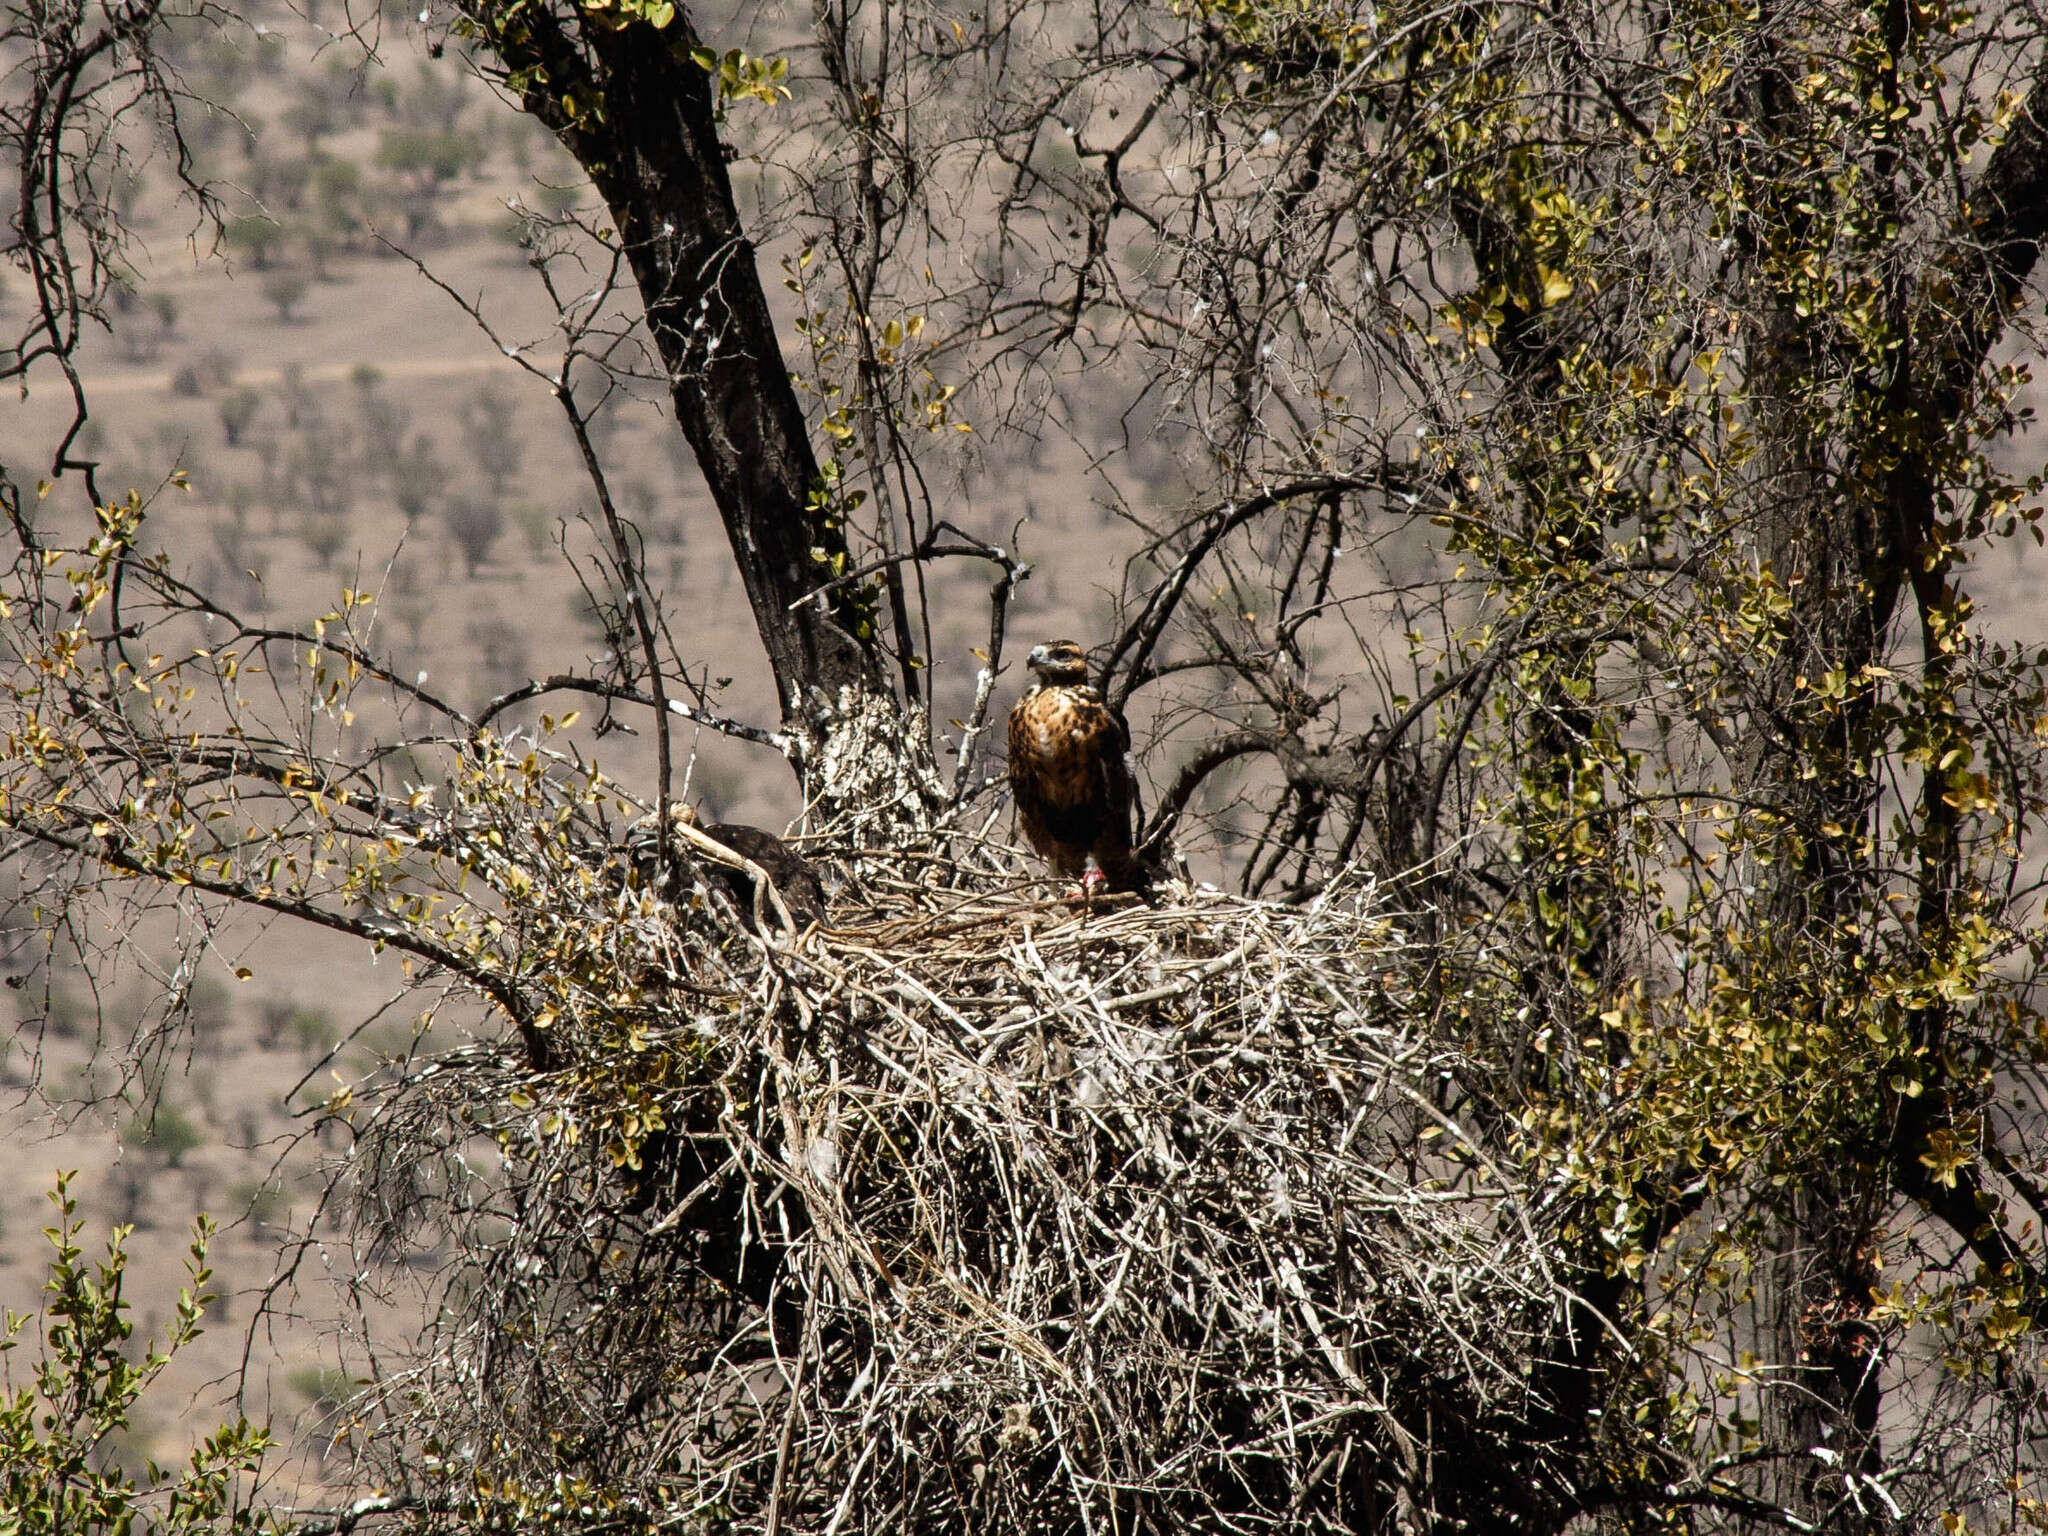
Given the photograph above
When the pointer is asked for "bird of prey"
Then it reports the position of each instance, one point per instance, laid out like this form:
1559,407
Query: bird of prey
1071,773
792,875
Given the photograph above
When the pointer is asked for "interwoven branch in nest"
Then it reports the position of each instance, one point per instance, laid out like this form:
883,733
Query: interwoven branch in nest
982,1208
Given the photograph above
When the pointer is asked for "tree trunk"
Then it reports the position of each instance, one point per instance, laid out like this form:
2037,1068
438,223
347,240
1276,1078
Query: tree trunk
1846,556
638,113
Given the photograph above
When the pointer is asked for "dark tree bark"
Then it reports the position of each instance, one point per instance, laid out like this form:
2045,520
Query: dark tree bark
1851,541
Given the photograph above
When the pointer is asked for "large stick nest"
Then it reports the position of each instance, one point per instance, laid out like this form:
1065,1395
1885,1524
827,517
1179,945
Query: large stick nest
976,1208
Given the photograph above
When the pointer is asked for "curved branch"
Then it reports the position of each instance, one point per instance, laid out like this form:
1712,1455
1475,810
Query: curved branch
495,985
192,600
569,682
1964,1206
2013,194
1223,750
1141,637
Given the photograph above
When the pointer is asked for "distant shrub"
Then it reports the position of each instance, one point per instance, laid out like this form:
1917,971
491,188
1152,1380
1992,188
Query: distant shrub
342,201
322,474
300,404
598,622
285,288
536,525
265,1202
474,523
437,101
144,324
490,433
323,533
67,1012
242,498
384,422
315,1031
312,117
417,477
502,662
211,370
167,1133
426,161
238,411
273,1017
210,1011
322,1386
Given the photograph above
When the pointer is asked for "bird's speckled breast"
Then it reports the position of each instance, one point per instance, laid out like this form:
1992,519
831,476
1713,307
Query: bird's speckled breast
1065,732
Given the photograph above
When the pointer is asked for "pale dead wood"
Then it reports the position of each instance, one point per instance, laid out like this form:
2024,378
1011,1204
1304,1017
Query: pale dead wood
979,1206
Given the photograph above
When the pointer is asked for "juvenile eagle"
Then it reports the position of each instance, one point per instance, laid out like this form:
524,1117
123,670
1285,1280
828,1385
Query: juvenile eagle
1071,773
795,880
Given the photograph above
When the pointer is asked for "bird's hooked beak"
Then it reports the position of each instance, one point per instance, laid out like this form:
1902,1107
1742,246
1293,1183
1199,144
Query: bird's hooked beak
1058,661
